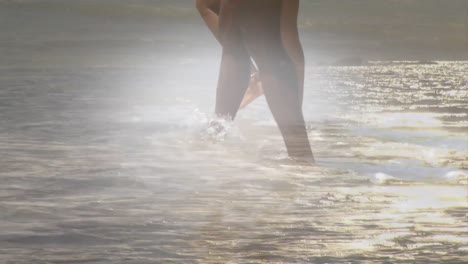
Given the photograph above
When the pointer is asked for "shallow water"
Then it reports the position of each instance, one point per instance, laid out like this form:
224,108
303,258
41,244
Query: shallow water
106,155
123,171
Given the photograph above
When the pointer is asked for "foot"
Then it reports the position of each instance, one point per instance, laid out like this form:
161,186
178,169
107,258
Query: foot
254,91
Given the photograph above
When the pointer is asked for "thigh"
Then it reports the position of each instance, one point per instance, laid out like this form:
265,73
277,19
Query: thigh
215,6
252,16
259,23
229,21
235,64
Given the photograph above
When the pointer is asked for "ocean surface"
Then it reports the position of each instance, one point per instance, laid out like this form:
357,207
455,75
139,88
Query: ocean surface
106,155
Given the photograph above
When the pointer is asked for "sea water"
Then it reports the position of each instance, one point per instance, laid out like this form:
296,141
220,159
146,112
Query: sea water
106,156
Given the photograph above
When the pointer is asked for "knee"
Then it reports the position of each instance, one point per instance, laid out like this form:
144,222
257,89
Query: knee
202,6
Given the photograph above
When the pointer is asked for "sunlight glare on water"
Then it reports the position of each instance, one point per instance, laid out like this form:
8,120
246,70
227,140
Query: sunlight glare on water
118,176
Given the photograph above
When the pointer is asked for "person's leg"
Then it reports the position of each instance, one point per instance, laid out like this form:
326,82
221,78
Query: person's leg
290,38
254,91
291,42
235,64
260,27
209,11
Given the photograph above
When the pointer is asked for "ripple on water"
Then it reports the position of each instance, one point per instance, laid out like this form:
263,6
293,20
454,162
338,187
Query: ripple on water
112,178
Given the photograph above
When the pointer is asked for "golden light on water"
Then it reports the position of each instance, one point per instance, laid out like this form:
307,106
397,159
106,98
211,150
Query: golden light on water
107,154
409,212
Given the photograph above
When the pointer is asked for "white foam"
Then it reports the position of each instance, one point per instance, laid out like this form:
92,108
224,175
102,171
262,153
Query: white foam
456,177
382,178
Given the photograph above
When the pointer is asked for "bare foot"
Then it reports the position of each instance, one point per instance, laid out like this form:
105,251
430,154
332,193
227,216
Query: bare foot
254,91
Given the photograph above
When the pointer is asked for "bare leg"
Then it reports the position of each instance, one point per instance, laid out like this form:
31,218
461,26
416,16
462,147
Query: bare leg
291,40
292,44
254,91
235,66
259,21
209,11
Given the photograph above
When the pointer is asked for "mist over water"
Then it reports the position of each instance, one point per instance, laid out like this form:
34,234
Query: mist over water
106,155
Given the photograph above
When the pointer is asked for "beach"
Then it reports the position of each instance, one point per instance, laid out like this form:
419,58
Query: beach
106,155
